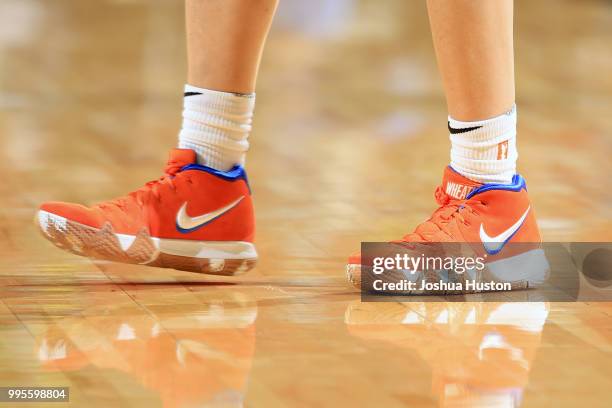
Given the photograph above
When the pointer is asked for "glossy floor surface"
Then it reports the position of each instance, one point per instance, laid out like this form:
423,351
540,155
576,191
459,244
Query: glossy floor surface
349,142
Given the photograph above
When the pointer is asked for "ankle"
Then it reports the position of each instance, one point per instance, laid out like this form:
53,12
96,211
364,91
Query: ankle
485,150
216,125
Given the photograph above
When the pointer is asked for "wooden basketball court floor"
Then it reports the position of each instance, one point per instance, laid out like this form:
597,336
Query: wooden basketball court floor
349,143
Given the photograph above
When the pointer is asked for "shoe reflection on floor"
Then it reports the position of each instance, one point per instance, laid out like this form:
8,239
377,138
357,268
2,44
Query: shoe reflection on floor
480,353
201,355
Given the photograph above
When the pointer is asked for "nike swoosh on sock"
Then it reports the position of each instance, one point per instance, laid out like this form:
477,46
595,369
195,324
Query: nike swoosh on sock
454,131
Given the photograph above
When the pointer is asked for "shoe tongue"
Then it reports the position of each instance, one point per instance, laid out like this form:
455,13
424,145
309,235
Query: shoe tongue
457,186
181,157
178,159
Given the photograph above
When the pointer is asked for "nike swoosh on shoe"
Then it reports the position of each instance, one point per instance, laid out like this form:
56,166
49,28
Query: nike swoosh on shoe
495,244
185,223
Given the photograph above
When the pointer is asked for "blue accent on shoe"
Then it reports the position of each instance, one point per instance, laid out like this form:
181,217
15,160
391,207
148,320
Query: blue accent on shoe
235,173
518,183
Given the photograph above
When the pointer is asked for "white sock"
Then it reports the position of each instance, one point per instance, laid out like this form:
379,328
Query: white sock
216,125
485,151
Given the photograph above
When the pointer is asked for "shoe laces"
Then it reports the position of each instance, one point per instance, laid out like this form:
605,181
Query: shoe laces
150,190
449,209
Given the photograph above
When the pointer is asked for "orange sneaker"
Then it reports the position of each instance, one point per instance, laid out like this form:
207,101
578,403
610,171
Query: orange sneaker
487,217
193,218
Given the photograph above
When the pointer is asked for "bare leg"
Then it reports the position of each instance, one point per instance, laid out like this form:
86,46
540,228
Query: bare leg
474,48
225,40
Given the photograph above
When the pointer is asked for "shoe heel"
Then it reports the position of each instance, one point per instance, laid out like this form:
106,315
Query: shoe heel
531,267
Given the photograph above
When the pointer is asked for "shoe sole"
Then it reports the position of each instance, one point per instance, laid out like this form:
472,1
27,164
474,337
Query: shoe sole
225,258
523,271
